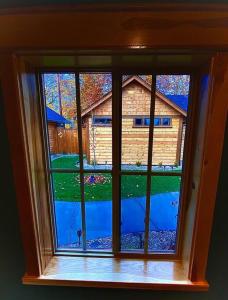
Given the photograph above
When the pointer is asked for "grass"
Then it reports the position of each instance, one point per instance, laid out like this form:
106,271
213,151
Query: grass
68,162
66,186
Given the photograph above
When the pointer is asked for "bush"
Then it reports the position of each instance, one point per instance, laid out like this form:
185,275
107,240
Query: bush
138,163
160,164
176,164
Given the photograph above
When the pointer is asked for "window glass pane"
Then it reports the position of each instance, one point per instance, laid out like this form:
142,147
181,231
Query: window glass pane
136,101
133,208
60,105
164,209
171,102
98,206
67,206
102,121
96,101
166,121
147,121
157,121
138,121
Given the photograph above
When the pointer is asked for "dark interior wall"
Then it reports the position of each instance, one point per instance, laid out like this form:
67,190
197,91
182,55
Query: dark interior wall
25,3
11,253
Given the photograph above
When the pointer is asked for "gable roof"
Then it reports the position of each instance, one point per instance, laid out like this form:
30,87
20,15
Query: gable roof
174,104
53,116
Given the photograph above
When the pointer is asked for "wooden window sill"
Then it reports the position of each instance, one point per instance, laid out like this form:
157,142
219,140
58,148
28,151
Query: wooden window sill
116,273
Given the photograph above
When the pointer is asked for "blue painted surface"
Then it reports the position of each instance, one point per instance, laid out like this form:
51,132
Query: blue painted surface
53,116
164,210
179,100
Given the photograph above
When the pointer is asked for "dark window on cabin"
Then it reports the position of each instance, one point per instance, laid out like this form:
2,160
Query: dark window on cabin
158,122
138,121
102,121
147,122
166,121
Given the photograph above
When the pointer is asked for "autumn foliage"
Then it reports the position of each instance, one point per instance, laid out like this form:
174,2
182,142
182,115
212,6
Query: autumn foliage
60,89
93,87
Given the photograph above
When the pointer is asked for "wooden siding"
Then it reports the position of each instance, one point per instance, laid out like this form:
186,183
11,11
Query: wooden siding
134,142
65,140
105,109
165,144
100,138
136,102
52,133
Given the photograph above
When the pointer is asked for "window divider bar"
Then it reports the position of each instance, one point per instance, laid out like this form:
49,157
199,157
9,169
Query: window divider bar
97,171
59,170
116,157
79,123
150,151
153,173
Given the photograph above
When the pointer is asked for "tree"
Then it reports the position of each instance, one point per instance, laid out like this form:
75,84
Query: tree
168,84
173,84
60,93
93,86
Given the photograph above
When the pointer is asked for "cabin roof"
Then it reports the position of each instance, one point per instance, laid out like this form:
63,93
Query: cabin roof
178,102
53,116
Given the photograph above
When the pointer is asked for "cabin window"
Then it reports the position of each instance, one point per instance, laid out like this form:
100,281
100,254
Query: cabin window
102,121
166,121
162,122
138,121
158,122
147,122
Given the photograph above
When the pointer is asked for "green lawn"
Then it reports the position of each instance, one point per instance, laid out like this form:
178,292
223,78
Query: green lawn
66,186
67,162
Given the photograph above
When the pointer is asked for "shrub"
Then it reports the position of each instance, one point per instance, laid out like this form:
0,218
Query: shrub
160,164
176,164
138,163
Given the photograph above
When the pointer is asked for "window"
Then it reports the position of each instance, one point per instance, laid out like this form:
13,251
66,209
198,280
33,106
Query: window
166,121
138,121
158,121
162,122
82,174
191,175
102,121
147,122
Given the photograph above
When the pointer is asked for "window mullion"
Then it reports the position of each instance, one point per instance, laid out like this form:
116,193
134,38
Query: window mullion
150,151
79,123
116,154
